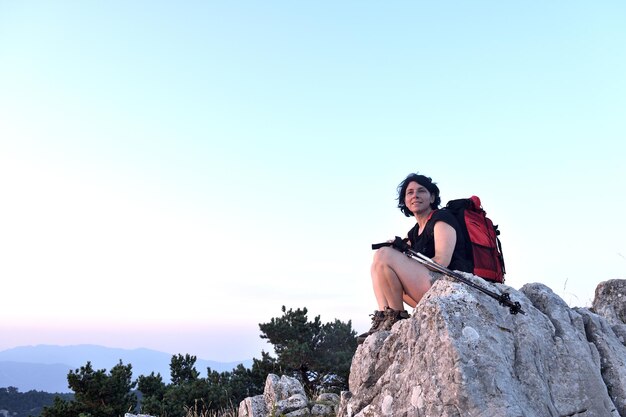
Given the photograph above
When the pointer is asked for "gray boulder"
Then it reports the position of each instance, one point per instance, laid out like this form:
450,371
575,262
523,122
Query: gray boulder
612,355
253,407
326,404
322,410
294,403
303,412
610,301
280,389
574,362
285,396
462,354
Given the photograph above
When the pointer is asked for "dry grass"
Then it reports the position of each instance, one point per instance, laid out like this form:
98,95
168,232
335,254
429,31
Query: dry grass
195,411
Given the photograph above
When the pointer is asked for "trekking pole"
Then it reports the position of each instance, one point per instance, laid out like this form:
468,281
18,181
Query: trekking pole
504,299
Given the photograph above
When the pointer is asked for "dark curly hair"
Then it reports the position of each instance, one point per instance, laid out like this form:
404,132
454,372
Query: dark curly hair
425,182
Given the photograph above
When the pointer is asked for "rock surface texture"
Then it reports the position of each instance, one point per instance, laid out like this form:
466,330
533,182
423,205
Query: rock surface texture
462,354
285,396
610,301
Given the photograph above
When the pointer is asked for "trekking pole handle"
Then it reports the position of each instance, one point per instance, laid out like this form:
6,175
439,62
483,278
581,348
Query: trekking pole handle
398,243
376,246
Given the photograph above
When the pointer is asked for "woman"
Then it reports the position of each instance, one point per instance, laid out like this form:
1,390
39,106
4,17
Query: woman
398,279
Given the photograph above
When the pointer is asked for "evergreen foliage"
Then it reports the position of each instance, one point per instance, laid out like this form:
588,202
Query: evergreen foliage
182,369
96,393
218,391
318,354
30,403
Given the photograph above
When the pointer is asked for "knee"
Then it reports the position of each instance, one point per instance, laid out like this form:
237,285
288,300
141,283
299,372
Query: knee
381,257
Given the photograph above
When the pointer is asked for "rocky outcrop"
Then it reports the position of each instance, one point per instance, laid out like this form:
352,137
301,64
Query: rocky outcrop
462,354
285,396
610,303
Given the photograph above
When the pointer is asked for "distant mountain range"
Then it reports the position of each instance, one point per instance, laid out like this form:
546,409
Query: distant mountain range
45,367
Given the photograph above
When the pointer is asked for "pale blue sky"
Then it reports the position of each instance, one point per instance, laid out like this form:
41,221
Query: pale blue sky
174,172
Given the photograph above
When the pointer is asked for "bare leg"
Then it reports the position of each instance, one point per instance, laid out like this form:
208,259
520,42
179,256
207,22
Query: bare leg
396,276
408,300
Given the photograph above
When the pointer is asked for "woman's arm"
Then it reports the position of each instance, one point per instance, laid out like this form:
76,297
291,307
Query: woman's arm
445,240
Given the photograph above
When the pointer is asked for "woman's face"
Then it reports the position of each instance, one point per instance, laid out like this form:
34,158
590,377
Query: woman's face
417,198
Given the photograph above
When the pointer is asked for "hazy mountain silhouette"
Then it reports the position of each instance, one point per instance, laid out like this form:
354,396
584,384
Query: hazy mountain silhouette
45,367
34,376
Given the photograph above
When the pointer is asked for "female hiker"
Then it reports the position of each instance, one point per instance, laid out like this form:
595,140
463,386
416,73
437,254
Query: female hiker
398,279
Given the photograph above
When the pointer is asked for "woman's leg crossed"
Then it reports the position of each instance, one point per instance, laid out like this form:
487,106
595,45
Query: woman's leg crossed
395,274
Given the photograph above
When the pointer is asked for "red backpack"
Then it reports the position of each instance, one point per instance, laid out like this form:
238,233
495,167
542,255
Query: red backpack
481,237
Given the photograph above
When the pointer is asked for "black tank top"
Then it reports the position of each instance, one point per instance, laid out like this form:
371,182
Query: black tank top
424,242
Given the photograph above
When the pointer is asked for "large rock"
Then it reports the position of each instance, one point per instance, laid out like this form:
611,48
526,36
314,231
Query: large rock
577,364
462,354
285,396
253,407
612,357
610,301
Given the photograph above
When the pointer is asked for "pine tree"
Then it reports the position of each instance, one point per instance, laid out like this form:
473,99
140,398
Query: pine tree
319,355
97,393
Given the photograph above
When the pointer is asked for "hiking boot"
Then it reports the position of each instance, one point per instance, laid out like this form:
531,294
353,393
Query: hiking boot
392,317
377,320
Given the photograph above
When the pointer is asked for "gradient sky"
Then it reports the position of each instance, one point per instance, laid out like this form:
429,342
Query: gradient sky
172,173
